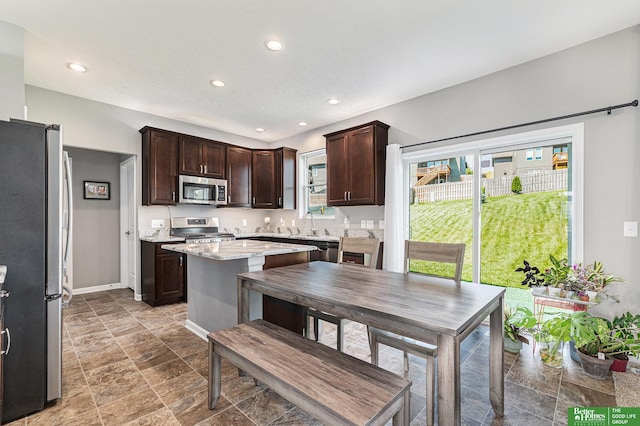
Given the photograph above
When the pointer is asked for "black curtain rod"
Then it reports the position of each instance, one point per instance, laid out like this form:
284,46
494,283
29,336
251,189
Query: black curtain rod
578,114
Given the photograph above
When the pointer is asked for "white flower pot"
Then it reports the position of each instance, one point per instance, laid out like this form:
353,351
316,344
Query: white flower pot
554,291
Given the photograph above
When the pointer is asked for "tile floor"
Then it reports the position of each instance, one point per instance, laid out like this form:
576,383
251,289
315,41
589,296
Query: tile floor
127,363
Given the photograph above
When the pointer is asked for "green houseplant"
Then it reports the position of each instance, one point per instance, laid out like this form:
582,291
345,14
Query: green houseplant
564,280
592,351
515,322
559,328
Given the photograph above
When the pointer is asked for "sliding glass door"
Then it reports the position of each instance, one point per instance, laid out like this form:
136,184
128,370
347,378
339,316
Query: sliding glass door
525,208
508,199
441,208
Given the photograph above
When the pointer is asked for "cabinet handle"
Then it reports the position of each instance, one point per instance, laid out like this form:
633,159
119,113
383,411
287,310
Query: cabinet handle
228,198
349,196
279,201
345,195
173,196
6,331
254,200
180,260
205,169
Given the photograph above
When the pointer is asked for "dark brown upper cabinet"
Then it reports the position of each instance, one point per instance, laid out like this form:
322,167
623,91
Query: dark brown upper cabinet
201,157
356,165
274,179
286,178
238,177
159,167
263,180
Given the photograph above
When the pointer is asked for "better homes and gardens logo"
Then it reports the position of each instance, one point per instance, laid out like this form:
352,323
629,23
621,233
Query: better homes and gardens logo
603,416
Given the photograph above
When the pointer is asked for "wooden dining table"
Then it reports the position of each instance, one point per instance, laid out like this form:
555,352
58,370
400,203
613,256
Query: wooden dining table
433,310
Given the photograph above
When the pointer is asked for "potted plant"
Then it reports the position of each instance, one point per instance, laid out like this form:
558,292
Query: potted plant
559,328
593,353
577,282
532,278
551,334
515,322
624,340
556,276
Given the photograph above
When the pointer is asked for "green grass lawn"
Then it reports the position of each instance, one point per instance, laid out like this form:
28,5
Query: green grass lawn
526,226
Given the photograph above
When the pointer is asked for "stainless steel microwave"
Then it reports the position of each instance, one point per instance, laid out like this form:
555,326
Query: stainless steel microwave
199,190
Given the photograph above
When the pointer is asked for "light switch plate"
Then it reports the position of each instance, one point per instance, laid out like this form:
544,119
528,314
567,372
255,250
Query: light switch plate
631,229
157,223
363,224
244,222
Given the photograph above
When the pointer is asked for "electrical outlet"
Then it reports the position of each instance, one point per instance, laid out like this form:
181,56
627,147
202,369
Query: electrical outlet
369,224
293,222
630,229
157,223
244,222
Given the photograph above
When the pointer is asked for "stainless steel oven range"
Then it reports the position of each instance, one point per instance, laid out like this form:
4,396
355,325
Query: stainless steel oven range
199,230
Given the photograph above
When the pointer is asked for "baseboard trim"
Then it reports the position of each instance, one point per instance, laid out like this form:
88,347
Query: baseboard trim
97,288
196,329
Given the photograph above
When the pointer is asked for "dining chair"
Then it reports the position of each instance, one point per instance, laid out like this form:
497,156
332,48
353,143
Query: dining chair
367,248
434,252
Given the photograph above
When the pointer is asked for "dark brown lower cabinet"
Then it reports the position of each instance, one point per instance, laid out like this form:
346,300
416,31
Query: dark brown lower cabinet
164,274
279,312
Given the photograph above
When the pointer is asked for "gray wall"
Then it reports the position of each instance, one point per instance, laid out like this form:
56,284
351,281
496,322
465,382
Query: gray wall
96,223
11,71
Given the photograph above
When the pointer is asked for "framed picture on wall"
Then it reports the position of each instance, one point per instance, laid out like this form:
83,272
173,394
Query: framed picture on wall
96,190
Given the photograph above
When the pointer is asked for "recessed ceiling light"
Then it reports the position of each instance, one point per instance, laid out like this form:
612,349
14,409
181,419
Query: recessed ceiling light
302,123
275,45
77,67
260,129
217,83
333,101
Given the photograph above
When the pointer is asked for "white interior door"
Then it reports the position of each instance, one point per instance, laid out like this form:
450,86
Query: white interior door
128,222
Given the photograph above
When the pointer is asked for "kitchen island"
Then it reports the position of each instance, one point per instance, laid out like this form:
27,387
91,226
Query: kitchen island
212,293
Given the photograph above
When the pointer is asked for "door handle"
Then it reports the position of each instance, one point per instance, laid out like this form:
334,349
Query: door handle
3,332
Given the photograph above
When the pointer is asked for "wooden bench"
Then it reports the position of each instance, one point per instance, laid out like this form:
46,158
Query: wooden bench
331,386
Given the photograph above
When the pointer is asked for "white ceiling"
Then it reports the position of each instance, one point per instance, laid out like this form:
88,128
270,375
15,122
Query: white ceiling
159,56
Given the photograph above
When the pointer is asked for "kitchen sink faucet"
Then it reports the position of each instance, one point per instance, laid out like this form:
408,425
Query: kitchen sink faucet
314,231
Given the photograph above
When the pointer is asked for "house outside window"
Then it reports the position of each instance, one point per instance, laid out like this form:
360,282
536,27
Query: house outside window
534,154
314,186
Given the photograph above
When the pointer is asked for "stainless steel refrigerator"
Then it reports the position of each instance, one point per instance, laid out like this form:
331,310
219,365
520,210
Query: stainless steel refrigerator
33,235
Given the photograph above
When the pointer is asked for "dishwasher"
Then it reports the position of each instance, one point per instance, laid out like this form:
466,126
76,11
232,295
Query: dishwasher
327,251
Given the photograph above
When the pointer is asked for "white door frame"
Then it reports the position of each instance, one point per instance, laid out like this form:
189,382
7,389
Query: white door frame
128,191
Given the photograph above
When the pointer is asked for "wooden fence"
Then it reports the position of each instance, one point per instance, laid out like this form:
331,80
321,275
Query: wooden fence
552,180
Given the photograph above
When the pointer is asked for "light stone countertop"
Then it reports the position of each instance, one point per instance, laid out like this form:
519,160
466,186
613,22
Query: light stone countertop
239,249
290,236
160,239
